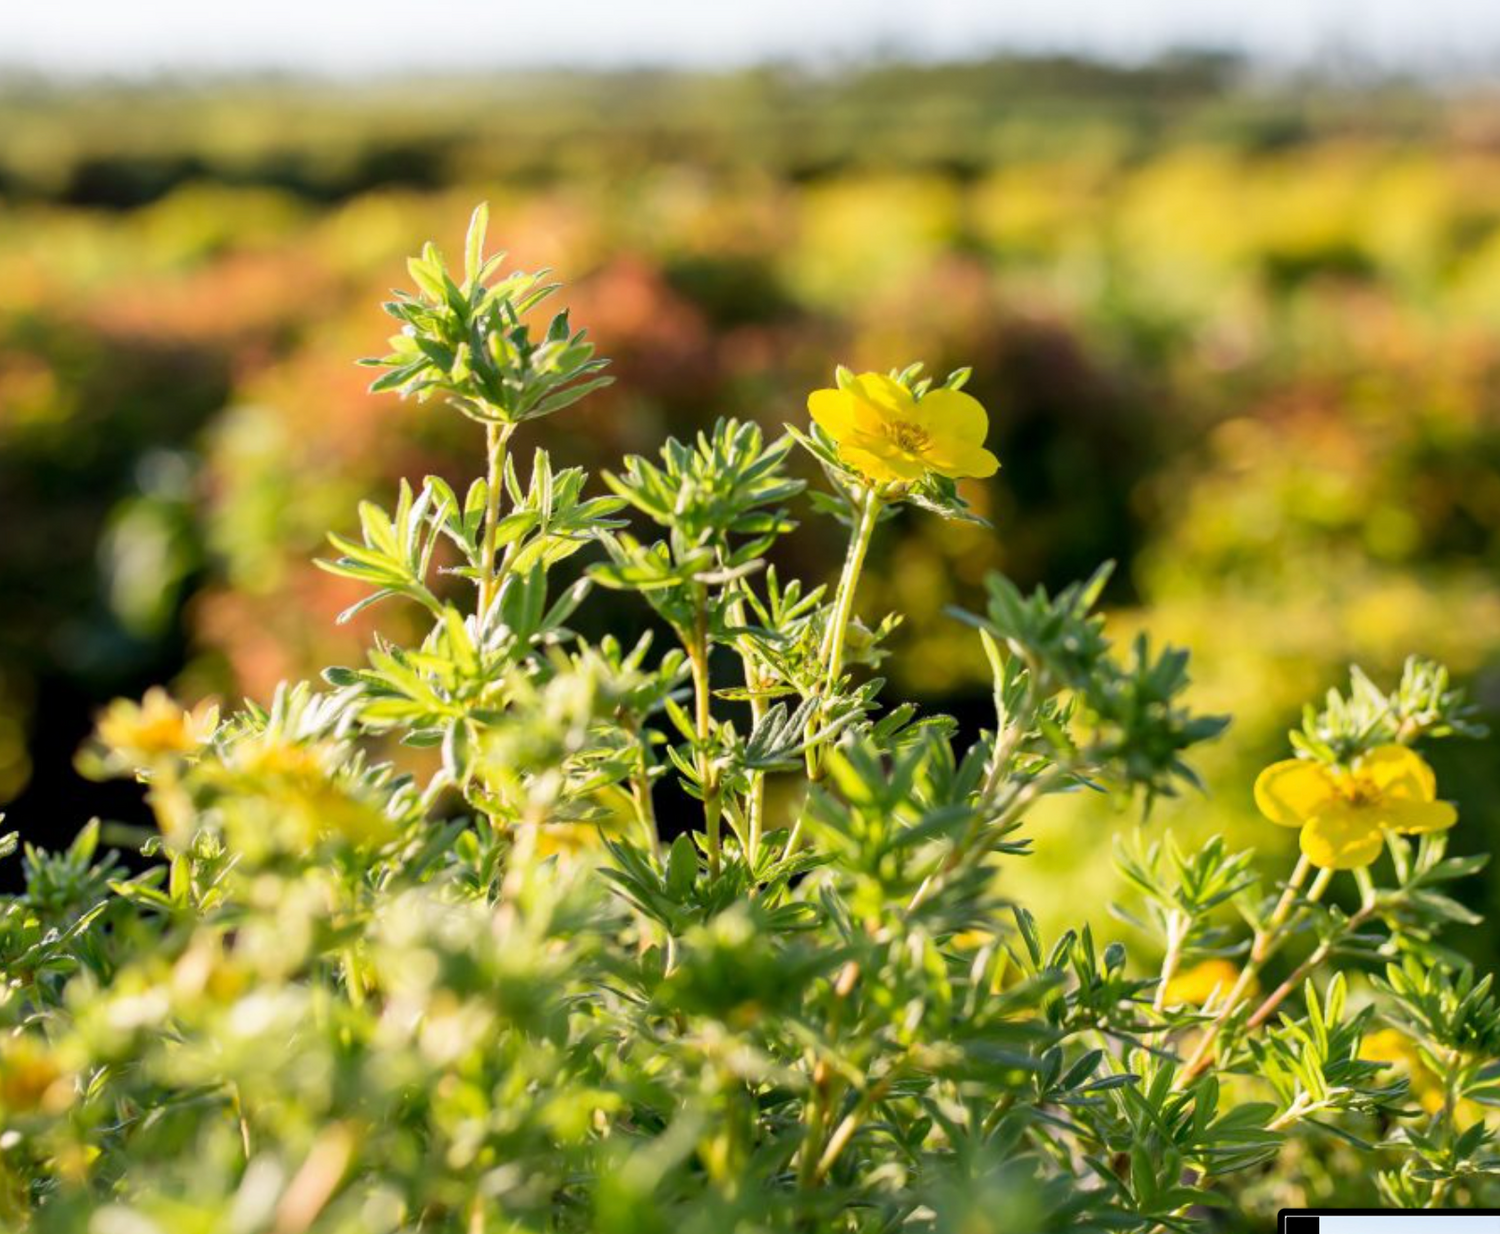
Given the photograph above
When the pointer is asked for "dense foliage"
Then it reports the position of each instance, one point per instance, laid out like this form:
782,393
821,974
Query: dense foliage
711,932
1237,334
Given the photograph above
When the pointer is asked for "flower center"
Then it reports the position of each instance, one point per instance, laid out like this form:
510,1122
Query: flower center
905,435
1358,791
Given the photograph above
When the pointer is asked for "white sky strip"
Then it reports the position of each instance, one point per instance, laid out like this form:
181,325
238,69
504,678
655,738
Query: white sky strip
357,37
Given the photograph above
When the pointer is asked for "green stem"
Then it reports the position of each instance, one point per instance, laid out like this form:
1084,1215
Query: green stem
993,1118
496,441
835,638
838,629
844,1132
755,805
810,1152
1176,932
640,792
1266,936
703,723
1005,749
755,793
813,1157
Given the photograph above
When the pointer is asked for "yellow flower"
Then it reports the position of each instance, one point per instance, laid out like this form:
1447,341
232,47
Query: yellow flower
1345,813
1198,984
971,940
131,736
887,434
286,797
1386,1045
31,1079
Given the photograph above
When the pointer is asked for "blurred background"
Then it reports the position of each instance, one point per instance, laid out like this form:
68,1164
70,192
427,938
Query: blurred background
1229,283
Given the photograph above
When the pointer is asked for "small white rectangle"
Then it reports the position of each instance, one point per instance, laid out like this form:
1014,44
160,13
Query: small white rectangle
1403,1223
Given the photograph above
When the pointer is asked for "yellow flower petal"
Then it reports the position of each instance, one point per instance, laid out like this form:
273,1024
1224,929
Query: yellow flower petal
1385,1045
1398,774
841,415
888,397
953,416
882,466
1342,837
1198,984
1292,791
956,460
1414,818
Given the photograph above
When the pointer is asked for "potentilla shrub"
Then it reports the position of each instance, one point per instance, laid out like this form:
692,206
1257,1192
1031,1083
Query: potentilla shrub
513,991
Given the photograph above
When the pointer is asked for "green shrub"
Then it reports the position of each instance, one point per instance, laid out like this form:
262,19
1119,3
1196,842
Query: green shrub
516,930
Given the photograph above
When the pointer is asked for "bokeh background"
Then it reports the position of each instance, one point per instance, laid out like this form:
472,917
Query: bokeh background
1235,311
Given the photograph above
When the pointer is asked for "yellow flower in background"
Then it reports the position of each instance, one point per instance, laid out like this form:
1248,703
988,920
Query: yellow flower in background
887,434
1344,814
155,727
1386,1045
31,1079
1196,985
279,795
971,940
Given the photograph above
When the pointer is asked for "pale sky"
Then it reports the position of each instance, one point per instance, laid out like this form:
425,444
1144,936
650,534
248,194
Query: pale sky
355,37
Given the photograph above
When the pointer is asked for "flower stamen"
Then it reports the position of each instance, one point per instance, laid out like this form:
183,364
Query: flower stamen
905,435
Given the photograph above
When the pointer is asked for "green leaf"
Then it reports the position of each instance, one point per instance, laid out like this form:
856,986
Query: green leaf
682,867
458,751
479,223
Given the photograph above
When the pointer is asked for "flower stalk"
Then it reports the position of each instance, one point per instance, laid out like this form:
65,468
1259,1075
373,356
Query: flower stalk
496,442
835,638
859,545
708,774
755,791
